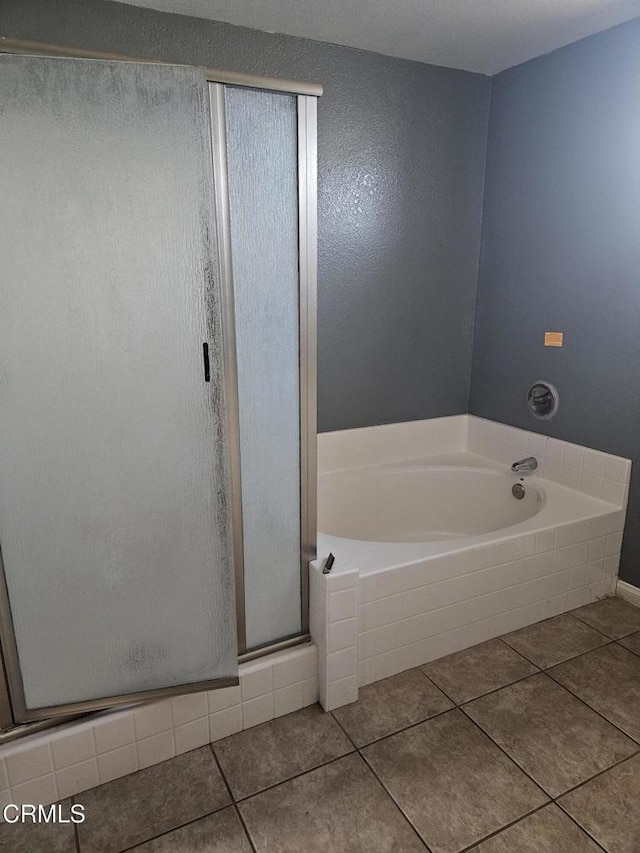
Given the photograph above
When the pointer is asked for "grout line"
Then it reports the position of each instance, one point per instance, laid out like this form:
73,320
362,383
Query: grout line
433,683
595,776
245,828
233,801
346,733
489,692
594,710
626,648
497,689
509,757
582,828
76,833
505,827
234,805
295,776
406,728
558,663
579,784
588,624
393,800
222,773
176,827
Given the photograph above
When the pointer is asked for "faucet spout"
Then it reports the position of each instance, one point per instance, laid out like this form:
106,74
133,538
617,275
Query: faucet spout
528,464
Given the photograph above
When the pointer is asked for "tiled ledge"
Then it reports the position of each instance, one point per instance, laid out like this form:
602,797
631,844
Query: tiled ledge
358,448
598,474
369,626
70,759
593,472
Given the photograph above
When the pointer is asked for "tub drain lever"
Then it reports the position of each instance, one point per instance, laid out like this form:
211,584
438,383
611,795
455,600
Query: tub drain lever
328,565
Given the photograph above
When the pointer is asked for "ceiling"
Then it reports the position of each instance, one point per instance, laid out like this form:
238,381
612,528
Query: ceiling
486,36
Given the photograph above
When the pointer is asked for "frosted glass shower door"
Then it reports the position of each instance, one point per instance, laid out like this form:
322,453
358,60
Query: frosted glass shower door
262,160
114,520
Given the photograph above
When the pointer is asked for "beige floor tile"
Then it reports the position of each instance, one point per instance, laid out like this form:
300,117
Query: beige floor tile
473,672
451,781
138,807
553,736
614,617
554,640
36,837
632,642
607,807
546,831
608,680
338,808
272,752
221,832
389,705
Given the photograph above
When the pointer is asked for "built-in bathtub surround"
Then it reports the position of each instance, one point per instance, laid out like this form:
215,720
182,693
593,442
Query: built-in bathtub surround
77,756
390,605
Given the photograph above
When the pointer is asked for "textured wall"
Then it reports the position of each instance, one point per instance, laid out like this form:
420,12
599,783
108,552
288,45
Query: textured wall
401,160
561,250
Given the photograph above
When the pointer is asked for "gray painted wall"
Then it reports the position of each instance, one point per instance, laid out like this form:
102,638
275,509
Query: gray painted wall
561,250
401,160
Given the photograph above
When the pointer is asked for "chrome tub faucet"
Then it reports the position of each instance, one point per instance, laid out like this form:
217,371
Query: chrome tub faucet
528,464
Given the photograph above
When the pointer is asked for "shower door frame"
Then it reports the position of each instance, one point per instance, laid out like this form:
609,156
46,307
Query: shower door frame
307,289
307,94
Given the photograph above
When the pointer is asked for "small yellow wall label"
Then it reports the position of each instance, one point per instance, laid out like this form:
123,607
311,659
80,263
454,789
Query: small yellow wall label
553,339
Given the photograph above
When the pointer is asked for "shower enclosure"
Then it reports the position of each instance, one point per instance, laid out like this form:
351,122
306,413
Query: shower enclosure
157,378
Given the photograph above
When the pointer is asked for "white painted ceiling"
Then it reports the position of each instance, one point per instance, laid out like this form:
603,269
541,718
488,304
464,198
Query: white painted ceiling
477,35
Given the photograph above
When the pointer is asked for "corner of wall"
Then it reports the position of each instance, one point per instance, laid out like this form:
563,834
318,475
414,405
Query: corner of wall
480,246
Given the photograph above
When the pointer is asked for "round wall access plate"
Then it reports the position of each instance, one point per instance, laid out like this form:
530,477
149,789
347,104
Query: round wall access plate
543,400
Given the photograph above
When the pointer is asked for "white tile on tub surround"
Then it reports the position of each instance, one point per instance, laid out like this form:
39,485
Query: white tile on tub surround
617,469
594,462
256,711
357,448
226,697
152,719
615,493
599,527
113,730
225,722
616,521
591,484
545,540
189,707
573,456
191,735
25,761
72,744
77,778
43,790
119,762
255,680
564,535
343,604
295,666
343,635
157,748
570,477
535,445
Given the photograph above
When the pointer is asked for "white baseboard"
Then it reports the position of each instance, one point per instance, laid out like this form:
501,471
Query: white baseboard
629,592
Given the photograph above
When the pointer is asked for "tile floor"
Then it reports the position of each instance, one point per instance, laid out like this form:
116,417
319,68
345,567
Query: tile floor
525,744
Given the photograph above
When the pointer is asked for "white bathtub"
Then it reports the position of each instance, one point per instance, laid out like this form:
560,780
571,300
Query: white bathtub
385,516
433,552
